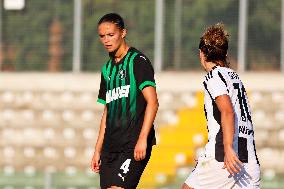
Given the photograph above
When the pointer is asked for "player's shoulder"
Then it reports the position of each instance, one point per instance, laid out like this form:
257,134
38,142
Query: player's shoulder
219,72
139,56
229,74
212,73
106,64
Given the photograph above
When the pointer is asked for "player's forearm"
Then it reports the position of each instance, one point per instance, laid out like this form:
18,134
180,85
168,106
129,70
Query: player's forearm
99,143
227,122
100,139
150,114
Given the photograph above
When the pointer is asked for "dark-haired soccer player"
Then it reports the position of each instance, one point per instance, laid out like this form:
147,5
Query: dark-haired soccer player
127,90
230,159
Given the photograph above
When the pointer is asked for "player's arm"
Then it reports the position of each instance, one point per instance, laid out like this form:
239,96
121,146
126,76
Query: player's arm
95,164
150,96
231,160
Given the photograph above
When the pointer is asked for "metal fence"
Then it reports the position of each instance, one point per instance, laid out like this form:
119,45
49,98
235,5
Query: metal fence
61,35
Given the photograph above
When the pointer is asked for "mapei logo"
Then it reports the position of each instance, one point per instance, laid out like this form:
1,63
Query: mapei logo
122,74
117,93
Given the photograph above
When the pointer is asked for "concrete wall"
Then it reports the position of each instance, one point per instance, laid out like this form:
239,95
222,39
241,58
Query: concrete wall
166,81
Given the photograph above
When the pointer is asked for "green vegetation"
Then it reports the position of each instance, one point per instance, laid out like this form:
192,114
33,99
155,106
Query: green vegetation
29,44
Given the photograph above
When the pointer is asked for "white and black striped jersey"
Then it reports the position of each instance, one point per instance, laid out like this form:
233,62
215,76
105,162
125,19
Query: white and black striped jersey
225,81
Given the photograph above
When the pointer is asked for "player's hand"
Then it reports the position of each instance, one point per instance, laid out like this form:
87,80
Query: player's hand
140,149
96,162
231,161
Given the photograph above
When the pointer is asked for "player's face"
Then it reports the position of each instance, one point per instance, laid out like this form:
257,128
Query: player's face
111,36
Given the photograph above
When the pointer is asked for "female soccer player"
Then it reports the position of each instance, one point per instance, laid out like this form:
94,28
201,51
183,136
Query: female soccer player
230,159
127,90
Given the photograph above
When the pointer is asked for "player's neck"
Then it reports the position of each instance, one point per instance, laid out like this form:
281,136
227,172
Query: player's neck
121,52
209,66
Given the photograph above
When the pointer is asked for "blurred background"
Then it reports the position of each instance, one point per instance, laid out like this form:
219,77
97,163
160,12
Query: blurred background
50,61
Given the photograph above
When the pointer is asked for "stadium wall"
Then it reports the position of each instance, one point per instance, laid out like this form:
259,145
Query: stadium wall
169,81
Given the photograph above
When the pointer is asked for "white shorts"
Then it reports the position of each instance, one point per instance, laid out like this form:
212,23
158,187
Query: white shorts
209,174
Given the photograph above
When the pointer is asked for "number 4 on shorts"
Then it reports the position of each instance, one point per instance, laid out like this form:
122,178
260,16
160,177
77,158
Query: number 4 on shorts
125,166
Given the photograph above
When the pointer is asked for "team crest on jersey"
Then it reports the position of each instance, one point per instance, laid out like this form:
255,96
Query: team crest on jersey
122,74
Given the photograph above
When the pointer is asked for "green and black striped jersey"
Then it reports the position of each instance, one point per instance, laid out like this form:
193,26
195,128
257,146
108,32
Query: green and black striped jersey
121,91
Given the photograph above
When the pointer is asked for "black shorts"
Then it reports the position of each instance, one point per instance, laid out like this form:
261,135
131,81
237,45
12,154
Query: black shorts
121,169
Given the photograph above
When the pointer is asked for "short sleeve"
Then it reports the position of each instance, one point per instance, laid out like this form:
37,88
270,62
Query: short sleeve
217,85
102,91
144,72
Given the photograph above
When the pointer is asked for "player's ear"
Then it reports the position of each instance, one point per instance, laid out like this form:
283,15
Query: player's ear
124,32
201,54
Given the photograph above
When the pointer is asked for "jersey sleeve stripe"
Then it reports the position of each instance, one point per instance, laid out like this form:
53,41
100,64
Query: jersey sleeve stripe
205,86
132,84
147,83
223,79
105,69
101,101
